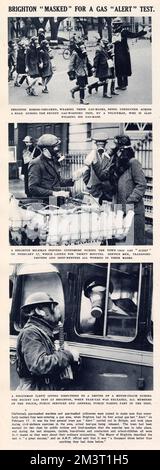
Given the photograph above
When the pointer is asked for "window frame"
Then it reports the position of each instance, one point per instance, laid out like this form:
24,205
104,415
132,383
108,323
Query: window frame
103,337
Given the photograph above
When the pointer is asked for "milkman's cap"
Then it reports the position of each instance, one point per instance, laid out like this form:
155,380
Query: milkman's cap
117,21
28,139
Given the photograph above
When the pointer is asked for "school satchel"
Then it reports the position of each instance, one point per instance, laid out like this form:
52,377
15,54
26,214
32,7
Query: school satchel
72,74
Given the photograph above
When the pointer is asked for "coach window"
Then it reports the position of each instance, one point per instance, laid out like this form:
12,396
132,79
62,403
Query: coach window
150,327
150,335
110,301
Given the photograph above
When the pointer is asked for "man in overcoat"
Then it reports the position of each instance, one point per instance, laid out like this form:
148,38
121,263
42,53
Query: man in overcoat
44,176
120,35
126,176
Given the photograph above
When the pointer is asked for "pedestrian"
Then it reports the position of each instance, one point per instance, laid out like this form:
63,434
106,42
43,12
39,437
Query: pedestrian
104,68
80,68
73,43
45,65
11,60
41,35
120,35
21,75
94,185
95,85
111,82
32,64
44,176
128,182
39,364
26,158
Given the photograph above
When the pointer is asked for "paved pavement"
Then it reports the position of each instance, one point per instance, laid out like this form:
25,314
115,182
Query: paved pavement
139,90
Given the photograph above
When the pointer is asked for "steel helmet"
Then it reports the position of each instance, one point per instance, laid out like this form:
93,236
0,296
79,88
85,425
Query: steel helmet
48,140
28,139
38,298
40,30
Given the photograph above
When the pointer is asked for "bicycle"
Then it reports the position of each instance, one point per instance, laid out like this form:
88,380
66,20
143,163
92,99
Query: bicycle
66,53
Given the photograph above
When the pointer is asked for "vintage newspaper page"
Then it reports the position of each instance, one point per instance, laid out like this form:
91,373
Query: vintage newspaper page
79,232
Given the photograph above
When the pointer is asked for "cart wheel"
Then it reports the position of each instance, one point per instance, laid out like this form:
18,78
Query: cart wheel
66,54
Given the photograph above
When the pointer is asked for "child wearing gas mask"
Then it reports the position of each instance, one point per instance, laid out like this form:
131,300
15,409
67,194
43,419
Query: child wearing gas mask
104,68
81,68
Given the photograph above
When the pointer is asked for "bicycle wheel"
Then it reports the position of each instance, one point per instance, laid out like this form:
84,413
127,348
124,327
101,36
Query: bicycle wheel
66,54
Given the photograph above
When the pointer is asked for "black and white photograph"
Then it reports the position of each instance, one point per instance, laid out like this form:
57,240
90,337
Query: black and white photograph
80,183
80,60
81,326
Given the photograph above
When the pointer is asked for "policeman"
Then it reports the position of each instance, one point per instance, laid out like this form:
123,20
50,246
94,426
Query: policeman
44,171
123,68
39,364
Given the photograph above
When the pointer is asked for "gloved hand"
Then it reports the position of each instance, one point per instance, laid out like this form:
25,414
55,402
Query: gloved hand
67,358
90,158
75,354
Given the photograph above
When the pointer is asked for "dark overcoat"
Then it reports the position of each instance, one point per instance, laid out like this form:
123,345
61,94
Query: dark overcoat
32,61
100,64
21,60
122,54
38,363
47,69
44,177
130,190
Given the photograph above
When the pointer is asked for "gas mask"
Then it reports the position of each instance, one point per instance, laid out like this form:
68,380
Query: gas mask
47,153
51,152
117,28
28,145
97,299
102,45
83,49
100,151
51,315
